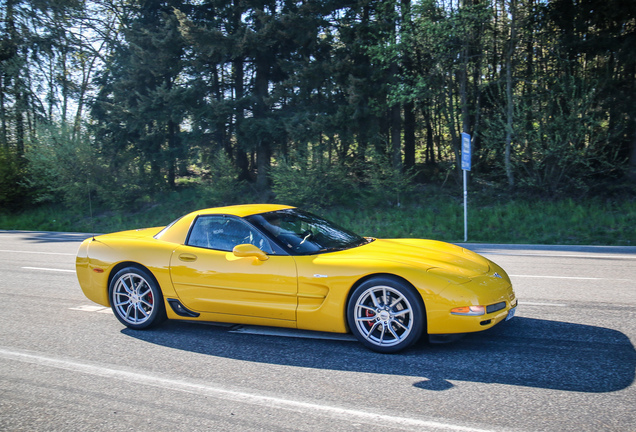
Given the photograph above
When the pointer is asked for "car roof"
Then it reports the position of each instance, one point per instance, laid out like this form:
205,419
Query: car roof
178,230
242,210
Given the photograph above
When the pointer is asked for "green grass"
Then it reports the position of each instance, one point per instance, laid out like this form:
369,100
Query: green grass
516,222
433,215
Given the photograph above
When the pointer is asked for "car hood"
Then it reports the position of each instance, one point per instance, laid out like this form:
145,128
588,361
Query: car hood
424,254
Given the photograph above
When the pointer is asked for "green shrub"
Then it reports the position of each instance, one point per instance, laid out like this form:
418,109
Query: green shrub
13,192
387,185
312,187
223,188
62,167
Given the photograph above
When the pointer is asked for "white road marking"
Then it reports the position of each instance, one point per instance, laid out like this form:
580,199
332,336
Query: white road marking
67,239
88,308
547,255
49,269
93,308
567,277
217,391
525,303
34,252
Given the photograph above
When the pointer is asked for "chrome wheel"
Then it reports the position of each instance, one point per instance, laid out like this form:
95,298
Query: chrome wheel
135,298
385,315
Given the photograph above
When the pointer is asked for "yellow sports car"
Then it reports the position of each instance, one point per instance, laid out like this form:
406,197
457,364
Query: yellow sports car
276,265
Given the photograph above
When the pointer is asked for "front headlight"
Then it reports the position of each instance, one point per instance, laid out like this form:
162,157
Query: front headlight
469,310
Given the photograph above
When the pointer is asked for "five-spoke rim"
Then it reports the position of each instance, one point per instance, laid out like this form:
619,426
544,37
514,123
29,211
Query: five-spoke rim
133,299
383,315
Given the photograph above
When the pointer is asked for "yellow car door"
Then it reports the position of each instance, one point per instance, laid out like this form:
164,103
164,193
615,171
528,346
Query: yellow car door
209,277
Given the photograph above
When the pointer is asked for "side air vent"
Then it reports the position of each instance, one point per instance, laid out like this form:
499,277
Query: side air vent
181,310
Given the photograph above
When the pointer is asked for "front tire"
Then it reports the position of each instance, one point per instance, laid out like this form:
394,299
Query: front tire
136,299
386,315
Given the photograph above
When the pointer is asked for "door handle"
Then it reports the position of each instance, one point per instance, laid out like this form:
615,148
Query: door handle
188,257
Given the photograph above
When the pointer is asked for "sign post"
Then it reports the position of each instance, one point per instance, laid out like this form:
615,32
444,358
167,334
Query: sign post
466,165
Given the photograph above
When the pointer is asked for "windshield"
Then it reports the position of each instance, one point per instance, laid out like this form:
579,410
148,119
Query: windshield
303,233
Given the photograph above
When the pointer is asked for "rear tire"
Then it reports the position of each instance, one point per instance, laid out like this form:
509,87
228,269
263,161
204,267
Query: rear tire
136,299
386,315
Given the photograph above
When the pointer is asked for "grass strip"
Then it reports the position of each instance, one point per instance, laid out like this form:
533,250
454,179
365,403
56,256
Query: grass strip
434,216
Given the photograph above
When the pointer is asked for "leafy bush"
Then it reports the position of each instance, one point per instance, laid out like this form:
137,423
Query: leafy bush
387,185
561,144
312,187
12,189
223,188
62,167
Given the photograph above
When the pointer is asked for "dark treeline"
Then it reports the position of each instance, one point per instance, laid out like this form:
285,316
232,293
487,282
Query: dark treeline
312,100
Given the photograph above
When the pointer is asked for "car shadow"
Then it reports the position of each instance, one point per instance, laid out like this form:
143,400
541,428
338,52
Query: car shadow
51,236
523,352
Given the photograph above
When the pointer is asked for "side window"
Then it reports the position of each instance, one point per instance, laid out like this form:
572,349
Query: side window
222,233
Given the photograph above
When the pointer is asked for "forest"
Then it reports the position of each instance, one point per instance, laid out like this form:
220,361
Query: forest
313,102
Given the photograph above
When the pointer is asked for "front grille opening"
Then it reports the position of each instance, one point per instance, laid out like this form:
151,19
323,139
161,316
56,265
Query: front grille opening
495,307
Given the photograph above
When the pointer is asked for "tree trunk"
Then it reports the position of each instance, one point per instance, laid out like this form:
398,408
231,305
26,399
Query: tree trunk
395,110
430,144
409,107
239,115
409,135
3,116
173,129
449,113
87,73
19,123
509,97
632,159
396,137
261,83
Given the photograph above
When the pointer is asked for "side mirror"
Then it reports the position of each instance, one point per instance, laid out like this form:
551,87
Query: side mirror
249,250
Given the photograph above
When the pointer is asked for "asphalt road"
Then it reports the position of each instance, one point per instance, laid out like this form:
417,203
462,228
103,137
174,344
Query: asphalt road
566,362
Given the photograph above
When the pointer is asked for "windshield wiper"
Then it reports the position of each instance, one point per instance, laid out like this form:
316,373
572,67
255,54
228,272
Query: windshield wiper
361,242
335,249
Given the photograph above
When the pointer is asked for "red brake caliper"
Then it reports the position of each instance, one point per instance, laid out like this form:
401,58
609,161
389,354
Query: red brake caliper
369,314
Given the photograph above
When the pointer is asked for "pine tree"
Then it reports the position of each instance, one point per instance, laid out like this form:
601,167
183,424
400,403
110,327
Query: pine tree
141,105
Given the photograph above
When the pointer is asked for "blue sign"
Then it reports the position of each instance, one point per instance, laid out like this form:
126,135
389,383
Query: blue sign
466,165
